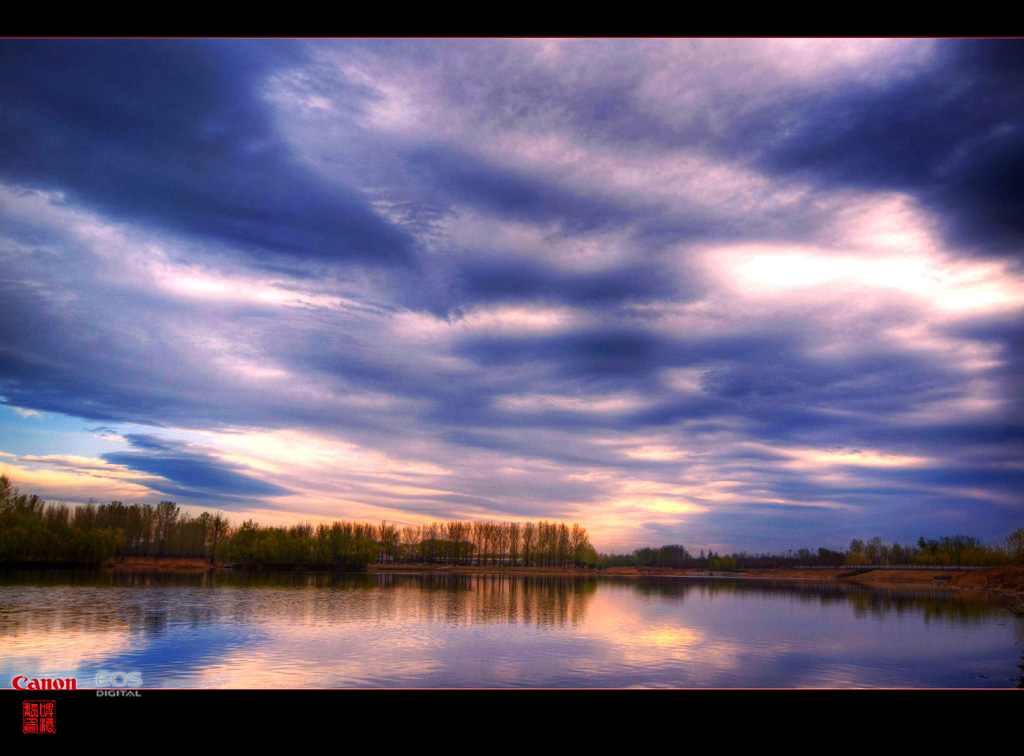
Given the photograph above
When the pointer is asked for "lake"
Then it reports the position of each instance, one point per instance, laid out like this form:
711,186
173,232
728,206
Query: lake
293,630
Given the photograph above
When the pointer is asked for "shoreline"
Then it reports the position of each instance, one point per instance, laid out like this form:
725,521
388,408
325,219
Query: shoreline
1006,579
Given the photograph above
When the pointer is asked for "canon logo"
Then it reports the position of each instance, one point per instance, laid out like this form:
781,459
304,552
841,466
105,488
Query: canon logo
45,683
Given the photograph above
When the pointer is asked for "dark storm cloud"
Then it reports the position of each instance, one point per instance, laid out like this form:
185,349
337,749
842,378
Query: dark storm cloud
175,134
587,353
102,371
502,280
191,474
997,443
782,528
765,376
42,368
511,194
567,454
125,354
1007,481
1008,337
952,135
149,442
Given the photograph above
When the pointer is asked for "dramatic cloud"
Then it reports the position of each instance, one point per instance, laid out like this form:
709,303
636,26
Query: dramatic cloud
174,134
736,294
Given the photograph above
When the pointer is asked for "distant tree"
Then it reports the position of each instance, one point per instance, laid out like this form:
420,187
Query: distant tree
578,542
513,542
410,537
389,538
1015,546
722,563
166,518
529,540
857,559
829,557
215,527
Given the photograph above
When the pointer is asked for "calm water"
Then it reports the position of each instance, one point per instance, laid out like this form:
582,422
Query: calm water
319,631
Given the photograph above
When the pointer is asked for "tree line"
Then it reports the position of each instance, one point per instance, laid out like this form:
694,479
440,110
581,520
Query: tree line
673,555
33,531
961,550
353,544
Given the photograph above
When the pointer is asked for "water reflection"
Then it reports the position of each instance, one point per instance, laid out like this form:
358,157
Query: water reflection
434,630
932,604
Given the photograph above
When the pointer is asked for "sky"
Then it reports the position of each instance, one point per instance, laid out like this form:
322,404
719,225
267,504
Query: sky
736,294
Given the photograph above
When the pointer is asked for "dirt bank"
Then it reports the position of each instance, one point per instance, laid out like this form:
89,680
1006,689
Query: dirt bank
162,564
782,573
915,577
1007,579
641,571
1003,579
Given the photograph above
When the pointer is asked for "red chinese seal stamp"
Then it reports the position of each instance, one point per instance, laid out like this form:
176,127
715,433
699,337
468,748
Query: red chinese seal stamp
39,717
